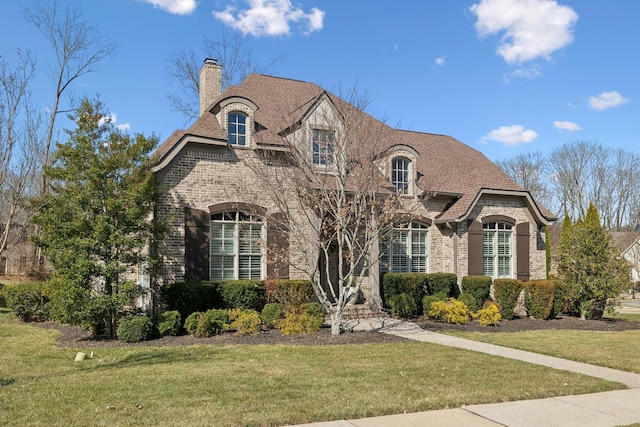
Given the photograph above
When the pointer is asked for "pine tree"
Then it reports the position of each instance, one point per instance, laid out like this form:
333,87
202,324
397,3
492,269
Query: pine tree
95,219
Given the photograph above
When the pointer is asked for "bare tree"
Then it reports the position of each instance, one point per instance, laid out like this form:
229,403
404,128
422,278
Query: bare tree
230,49
335,201
19,139
77,46
530,171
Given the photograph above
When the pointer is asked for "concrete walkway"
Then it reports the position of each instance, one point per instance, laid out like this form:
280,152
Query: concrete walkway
613,408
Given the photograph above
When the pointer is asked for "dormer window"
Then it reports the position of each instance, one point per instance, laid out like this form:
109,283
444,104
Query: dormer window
400,174
322,147
237,129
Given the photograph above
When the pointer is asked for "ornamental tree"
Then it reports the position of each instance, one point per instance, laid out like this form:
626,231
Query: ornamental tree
95,219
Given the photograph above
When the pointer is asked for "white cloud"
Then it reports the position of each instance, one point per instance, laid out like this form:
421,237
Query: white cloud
124,127
566,125
113,118
177,7
441,60
532,28
607,100
271,18
510,135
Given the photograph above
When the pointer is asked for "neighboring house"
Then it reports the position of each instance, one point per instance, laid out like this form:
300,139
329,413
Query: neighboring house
475,220
628,243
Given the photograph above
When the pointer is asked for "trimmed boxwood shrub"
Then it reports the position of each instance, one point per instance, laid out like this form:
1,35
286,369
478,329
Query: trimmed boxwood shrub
191,297
446,283
271,313
402,305
134,328
470,302
206,324
507,292
28,300
479,287
412,284
539,298
244,294
168,323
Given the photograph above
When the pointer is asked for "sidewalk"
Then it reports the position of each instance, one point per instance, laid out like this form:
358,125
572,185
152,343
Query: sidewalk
613,408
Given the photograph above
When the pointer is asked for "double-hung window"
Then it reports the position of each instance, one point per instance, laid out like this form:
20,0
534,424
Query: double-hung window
322,141
400,174
237,129
236,246
406,249
497,249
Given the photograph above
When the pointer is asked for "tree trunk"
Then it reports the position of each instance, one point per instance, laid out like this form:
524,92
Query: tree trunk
336,320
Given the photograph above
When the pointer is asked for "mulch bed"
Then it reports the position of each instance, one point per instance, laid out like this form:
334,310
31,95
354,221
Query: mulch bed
73,336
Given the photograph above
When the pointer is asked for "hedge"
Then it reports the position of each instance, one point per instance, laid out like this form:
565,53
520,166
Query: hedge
412,284
507,292
28,300
134,328
244,294
479,287
539,298
438,283
291,293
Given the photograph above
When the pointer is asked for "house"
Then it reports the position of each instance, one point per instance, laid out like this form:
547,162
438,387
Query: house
469,219
628,242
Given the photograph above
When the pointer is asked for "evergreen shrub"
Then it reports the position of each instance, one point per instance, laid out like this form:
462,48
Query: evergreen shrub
168,323
412,284
438,283
29,300
402,305
427,300
134,328
244,322
271,313
539,298
507,292
451,311
477,286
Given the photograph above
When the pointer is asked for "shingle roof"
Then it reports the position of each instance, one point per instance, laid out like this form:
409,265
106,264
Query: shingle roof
445,164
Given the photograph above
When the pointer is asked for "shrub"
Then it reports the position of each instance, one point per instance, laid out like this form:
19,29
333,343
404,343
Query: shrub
402,305
489,314
507,292
28,301
469,301
292,294
271,313
412,284
427,300
245,322
192,321
191,297
313,309
168,323
299,323
539,298
135,328
558,298
452,311
446,283
206,324
479,287
244,294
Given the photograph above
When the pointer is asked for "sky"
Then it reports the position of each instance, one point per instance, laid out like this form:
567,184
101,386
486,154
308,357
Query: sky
506,77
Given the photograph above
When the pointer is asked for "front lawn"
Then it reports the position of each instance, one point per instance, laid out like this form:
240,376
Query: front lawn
40,384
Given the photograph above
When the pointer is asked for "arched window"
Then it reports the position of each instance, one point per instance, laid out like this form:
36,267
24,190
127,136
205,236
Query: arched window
237,128
236,246
497,249
406,249
400,174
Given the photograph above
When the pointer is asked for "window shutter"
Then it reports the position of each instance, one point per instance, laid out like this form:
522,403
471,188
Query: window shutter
277,247
474,259
522,251
196,244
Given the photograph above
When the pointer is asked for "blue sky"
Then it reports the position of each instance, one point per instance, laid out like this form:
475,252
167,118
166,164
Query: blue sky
504,76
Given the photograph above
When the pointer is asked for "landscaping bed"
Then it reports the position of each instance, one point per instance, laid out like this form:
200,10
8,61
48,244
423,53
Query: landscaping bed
73,336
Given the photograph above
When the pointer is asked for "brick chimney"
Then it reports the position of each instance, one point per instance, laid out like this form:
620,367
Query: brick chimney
210,83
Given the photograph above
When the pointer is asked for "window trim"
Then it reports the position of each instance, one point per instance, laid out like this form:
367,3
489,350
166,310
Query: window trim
410,230
406,171
494,228
237,219
237,135
322,155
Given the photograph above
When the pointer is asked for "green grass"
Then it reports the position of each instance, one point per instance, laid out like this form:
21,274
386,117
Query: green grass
618,350
629,316
254,385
